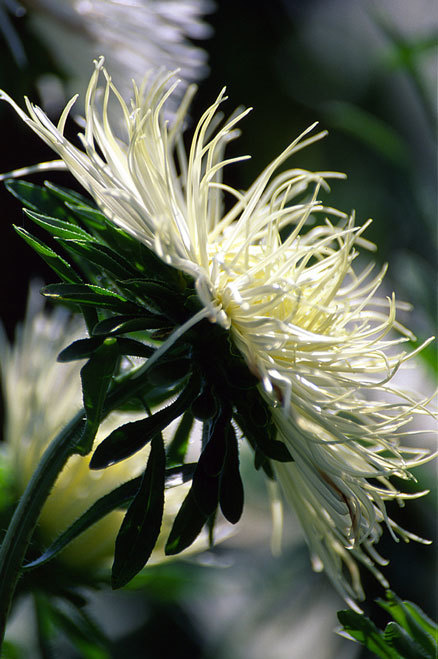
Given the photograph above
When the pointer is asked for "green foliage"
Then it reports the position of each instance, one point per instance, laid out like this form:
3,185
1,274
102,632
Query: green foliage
132,302
54,618
176,451
231,487
119,499
63,269
132,437
141,526
186,527
96,376
411,634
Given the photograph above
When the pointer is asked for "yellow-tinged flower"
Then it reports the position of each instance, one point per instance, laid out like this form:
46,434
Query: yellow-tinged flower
308,324
41,395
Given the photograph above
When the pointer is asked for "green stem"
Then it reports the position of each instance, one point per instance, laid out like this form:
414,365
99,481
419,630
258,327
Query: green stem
20,530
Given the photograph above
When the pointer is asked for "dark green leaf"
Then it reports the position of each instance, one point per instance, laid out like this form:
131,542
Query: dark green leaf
58,228
177,449
125,441
96,377
133,348
262,462
58,264
93,218
412,634
36,198
89,641
157,297
67,196
186,527
365,631
410,617
142,523
124,324
428,636
231,494
101,256
84,348
117,499
239,376
169,370
80,349
255,421
399,639
205,485
106,504
131,437
205,406
90,295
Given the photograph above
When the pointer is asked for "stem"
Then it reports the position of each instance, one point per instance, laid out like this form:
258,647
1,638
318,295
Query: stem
19,533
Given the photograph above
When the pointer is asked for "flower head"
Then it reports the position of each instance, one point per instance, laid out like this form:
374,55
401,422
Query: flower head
134,36
277,270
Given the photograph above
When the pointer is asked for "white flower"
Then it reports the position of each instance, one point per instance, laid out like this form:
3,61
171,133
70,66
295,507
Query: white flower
134,36
309,325
41,395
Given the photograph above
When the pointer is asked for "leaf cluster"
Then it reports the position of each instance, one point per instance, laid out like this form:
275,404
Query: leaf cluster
410,635
131,302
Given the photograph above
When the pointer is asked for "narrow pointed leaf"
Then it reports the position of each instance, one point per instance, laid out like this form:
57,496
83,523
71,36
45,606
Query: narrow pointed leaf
96,377
66,195
58,228
256,423
106,504
101,256
425,631
399,639
170,370
131,437
155,296
118,499
80,349
177,449
89,294
62,268
186,527
142,523
84,348
133,348
206,479
124,324
362,629
205,406
231,495
410,617
92,217
36,198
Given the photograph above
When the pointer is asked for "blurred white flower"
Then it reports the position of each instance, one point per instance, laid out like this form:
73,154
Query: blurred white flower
135,36
309,325
41,395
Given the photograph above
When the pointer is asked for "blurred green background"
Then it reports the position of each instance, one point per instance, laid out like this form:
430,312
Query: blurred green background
367,72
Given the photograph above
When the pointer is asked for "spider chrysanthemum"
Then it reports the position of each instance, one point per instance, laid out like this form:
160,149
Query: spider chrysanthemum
278,271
